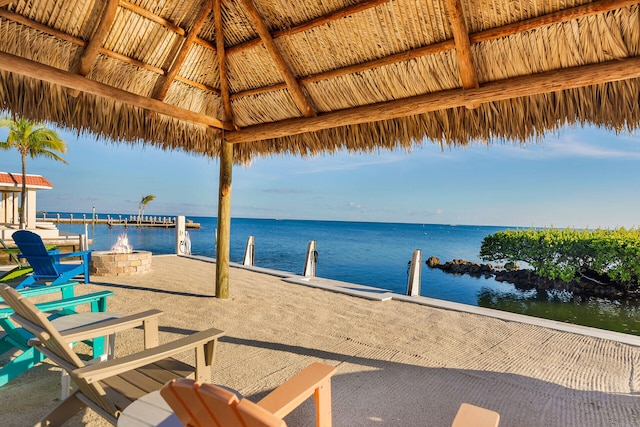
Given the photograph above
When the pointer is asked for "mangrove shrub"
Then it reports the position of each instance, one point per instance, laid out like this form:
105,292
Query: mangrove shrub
570,255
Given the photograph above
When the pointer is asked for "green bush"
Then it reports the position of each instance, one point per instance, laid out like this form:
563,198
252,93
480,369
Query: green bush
570,254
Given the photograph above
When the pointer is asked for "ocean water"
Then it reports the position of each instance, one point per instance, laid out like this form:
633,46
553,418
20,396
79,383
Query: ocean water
376,254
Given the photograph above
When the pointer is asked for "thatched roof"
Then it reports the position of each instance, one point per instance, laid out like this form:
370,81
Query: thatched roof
314,76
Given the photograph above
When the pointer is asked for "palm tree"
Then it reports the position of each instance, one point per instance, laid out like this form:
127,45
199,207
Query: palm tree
34,140
143,203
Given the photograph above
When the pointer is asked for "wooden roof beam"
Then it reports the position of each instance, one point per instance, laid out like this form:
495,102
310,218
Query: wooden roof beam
163,22
75,40
552,81
299,97
558,17
222,61
99,36
468,74
163,87
152,17
79,42
38,71
3,3
590,9
321,20
85,63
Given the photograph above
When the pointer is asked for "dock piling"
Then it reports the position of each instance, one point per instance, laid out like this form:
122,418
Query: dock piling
311,260
249,251
415,273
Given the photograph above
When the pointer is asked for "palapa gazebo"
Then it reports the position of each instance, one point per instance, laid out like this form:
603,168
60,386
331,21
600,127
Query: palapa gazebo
236,79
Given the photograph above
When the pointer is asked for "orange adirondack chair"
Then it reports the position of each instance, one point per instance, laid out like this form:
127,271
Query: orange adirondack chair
204,405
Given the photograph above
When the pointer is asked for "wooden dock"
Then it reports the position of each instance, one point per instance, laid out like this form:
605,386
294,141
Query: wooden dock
115,220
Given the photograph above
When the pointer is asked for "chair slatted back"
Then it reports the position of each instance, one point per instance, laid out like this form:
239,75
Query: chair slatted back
52,343
204,405
33,249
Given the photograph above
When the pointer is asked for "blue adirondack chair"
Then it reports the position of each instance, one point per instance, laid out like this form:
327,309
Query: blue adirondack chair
46,264
16,338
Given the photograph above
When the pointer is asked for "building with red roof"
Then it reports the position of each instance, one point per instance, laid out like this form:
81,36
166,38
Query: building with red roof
10,188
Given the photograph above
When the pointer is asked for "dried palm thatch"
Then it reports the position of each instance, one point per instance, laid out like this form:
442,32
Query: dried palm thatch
308,77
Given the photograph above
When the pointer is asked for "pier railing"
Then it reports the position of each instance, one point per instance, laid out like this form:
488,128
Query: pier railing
115,220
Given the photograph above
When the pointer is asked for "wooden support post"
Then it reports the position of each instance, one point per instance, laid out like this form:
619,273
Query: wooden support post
224,220
415,274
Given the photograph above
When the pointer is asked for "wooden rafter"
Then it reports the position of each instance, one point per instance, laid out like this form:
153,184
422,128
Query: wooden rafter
152,17
36,70
308,25
356,68
585,10
558,17
468,73
590,9
552,81
222,61
299,97
167,79
163,22
75,40
3,3
99,36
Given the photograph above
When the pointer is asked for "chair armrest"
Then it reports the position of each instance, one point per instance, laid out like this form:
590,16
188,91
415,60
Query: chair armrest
119,365
70,302
43,290
110,326
470,415
297,389
70,254
63,303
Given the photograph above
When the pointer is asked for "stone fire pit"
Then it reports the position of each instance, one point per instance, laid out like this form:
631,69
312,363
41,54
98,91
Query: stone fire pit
110,263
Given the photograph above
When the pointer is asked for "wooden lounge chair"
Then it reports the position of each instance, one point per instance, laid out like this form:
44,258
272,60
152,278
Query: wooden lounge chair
474,416
15,338
203,405
109,386
46,264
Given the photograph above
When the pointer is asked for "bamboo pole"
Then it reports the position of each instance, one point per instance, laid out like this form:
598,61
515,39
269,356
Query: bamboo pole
224,220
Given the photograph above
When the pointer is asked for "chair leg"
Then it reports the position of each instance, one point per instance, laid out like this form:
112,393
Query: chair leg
20,364
63,412
322,397
28,281
86,270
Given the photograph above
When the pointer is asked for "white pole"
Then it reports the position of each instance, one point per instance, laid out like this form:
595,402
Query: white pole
311,260
249,251
180,236
415,272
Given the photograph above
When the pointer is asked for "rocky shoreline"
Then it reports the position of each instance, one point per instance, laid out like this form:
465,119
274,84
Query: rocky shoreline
523,279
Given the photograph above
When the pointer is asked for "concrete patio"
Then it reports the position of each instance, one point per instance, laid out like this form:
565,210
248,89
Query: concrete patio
399,363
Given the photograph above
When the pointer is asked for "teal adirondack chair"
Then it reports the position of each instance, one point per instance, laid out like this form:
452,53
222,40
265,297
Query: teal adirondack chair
16,338
46,265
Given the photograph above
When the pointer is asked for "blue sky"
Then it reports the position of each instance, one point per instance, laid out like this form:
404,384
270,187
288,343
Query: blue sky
578,177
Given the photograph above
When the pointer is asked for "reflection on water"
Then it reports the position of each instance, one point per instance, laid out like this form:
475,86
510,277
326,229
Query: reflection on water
562,306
